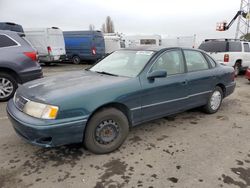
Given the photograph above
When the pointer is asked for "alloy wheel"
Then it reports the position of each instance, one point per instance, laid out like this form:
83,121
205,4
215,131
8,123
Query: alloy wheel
6,88
215,100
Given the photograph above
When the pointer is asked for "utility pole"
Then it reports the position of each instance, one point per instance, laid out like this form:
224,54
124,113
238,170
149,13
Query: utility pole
243,23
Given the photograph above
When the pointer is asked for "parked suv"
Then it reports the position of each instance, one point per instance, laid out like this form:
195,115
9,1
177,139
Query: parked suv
18,63
235,53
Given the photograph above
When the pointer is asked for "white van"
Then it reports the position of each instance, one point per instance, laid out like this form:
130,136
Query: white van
49,43
113,42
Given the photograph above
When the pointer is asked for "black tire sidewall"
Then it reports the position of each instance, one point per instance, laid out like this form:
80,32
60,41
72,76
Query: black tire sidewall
14,83
78,60
89,138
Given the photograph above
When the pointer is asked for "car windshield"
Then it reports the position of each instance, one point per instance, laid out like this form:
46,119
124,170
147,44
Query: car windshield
123,63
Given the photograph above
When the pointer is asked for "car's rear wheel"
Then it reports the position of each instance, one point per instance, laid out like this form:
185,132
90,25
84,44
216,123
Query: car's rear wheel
8,86
237,68
76,60
106,131
214,101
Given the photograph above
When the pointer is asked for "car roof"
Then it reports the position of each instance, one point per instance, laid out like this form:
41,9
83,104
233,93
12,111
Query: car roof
157,48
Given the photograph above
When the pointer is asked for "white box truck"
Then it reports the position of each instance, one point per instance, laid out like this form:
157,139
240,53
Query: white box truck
142,40
113,42
182,41
49,43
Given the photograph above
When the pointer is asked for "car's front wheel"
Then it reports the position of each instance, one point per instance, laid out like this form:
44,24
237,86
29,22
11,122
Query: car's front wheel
214,101
8,86
106,131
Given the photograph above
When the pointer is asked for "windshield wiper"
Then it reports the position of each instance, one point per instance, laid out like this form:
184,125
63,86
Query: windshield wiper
107,73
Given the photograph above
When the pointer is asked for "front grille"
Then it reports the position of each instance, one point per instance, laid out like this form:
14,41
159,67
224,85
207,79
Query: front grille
20,102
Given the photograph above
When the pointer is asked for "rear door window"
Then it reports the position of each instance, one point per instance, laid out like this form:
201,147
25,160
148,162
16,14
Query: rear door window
211,61
5,41
195,61
246,47
235,47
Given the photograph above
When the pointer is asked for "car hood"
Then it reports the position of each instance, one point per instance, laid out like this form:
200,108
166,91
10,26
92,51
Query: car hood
70,84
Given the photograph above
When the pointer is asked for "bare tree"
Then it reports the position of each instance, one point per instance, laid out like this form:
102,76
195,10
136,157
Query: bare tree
103,28
108,26
91,27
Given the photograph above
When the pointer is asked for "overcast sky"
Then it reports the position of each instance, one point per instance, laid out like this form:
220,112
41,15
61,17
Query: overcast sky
166,17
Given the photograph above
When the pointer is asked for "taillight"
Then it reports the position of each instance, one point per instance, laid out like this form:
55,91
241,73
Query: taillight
226,58
93,50
31,55
49,49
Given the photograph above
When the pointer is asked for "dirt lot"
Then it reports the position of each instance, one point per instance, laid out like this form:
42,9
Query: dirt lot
189,150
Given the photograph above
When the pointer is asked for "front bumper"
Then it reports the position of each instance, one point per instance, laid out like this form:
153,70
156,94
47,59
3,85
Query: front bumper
247,75
43,132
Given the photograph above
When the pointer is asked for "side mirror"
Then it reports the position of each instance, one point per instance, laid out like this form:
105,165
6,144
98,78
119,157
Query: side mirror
157,74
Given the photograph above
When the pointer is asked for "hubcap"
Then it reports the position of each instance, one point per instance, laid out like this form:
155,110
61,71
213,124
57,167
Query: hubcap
106,132
6,88
76,60
215,100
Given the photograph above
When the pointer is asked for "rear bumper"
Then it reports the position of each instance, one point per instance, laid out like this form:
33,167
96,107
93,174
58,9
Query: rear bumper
45,135
50,58
230,89
86,57
31,74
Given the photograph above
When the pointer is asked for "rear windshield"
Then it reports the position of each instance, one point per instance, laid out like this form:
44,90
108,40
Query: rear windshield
221,46
11,27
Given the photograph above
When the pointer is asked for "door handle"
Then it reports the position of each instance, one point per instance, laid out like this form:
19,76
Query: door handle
184,82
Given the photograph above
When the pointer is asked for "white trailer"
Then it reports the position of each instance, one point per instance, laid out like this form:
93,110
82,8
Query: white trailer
142,40
183,41
49,43
113,42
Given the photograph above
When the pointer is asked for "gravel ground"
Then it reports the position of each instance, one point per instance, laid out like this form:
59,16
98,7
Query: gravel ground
188,150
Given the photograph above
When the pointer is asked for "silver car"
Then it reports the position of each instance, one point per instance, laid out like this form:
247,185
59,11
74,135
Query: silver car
18,63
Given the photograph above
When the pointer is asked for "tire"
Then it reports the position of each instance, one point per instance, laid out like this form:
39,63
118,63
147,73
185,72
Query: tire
237,68
8,86
101,123
212,106
76,60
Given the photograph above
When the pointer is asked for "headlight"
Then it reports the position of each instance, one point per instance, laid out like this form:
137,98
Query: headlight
40,110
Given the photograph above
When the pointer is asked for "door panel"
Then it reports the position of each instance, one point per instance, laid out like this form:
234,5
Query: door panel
162,96
200,78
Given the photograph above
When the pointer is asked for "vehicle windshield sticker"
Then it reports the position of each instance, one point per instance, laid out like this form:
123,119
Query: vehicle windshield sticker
144,53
